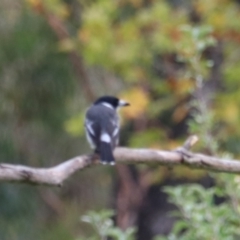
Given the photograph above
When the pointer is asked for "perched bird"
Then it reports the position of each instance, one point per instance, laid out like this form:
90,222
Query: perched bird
102,126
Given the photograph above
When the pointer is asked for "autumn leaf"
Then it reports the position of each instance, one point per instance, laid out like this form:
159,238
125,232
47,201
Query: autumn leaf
139,101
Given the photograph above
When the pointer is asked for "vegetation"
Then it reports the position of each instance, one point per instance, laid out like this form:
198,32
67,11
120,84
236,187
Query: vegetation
177,62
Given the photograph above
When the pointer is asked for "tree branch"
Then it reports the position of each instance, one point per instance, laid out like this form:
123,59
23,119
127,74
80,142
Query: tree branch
56,175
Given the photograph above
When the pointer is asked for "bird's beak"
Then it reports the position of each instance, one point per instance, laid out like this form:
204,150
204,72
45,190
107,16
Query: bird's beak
123,103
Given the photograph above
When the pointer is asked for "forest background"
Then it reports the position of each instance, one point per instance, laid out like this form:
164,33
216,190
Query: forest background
176,62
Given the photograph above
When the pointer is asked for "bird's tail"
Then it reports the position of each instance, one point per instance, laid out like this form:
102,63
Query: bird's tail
106,153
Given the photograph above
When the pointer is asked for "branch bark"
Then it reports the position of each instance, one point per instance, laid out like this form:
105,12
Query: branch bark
55,176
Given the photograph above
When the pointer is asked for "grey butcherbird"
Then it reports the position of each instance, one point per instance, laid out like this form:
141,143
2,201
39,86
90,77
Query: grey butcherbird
102,126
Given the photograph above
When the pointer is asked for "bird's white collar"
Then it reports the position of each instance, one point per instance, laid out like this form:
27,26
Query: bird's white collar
107,105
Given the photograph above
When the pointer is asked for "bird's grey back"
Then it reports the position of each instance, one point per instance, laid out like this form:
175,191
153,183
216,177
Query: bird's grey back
101,116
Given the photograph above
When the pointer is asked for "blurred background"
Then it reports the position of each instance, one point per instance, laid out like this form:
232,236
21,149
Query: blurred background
176,62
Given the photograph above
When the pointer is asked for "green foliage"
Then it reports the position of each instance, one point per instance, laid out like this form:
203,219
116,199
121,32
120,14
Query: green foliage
194,42
103,225
127,44
145,139
38,89
75,125
200,216
196,39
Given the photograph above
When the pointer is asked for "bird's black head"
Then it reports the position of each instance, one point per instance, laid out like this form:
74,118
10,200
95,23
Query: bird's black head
113,101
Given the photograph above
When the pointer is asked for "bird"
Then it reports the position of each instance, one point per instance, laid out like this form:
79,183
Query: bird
102,125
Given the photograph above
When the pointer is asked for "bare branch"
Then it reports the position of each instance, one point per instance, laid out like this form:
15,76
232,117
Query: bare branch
58,174
48,176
